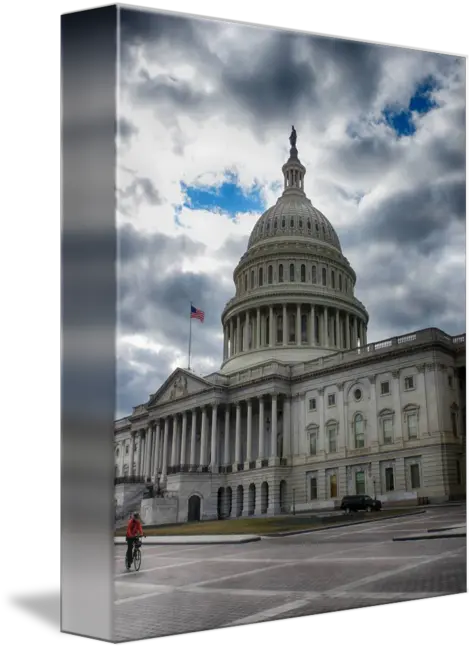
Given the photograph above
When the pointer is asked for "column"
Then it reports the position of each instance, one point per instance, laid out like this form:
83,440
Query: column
249,431
348,332
131,458
156,449
338,339
312,325
274,425
225,343
271,326
397,418
227,435
148,453
325,326
258,327
203,451
298,326
231,338
214,437
286,445
374,436
173,441
184,432
139,451
284,324
165,448
261,429
239,335
354,332
192,459
237,434
247,323
341,437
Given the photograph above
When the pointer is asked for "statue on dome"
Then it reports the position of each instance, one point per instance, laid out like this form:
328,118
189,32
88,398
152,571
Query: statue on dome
293,137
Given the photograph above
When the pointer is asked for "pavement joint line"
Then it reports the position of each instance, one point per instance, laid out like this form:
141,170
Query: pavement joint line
158,567
384,575
269,613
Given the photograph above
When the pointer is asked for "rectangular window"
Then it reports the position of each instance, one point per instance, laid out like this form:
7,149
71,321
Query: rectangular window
323,276
412,424
453,417
458,472
360,479
385,388
333,486
313,443
388,431
331,400
414,476
332,440
389,482
312,404
313,489
409,383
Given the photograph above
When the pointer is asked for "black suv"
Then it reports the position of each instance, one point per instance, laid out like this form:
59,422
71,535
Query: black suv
360,503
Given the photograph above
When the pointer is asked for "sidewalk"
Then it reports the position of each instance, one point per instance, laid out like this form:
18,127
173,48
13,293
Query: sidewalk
448,532
217,539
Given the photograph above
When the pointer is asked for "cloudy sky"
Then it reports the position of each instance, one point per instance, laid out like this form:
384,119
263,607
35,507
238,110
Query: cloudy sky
205,112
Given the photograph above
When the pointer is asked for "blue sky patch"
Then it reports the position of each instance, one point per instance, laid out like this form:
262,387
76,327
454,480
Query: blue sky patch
401,119
228,197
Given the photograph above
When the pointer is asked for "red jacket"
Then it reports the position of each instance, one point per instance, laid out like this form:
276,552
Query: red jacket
134,528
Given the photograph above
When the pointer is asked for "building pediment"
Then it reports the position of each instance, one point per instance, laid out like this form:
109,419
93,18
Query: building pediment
180,383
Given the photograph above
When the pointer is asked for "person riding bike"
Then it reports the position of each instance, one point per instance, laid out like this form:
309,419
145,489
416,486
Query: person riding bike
134,530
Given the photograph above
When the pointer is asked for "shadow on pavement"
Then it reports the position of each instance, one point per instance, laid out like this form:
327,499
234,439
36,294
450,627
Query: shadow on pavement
45,606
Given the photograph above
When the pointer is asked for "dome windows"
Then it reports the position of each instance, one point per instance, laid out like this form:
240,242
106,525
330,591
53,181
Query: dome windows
270,274
301,223
302,274
281,273
275,224
283,223
340,278
333,282
309,225
292,223
314,273
317,228
260,277
292,273
323,276
252,279
246,282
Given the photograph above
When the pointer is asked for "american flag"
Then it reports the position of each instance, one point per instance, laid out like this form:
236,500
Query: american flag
197,314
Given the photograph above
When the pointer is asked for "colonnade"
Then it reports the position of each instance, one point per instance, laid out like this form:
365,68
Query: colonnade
293,324
203,438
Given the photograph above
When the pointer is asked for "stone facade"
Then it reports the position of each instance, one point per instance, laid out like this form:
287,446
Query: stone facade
303,410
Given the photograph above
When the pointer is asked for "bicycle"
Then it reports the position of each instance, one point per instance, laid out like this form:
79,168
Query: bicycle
136,556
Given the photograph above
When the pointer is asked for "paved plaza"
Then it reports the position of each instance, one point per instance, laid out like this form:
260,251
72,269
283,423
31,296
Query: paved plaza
182,589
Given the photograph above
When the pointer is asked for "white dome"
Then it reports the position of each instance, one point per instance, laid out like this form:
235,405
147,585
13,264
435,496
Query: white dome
294,215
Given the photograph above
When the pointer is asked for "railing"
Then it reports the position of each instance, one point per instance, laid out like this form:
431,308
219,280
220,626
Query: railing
131,480
422,336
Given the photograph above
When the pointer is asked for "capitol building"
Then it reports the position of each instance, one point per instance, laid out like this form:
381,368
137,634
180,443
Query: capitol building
303,409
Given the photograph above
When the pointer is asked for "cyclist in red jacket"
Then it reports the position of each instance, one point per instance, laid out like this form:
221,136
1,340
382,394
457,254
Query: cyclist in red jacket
134,530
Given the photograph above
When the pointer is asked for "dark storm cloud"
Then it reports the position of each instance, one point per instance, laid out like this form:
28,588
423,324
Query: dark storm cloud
419,217
126,129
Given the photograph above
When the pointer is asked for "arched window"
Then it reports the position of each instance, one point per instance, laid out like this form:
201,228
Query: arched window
270,274
314,273
301,223
324,231
340,278
279,328
359,442
281,273
246,282
292,273
283,223
323,276
267,226
331,436
333,279
292,223
302,273
292,328
260,277
303,328
275,223
252,281
317,227
309,225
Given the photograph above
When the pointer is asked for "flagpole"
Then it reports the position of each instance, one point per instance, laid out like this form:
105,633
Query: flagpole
189,350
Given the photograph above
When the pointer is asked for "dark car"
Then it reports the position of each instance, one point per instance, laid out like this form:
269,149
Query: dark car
360,503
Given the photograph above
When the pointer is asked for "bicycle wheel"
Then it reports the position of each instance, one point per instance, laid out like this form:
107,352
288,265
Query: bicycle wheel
137,559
